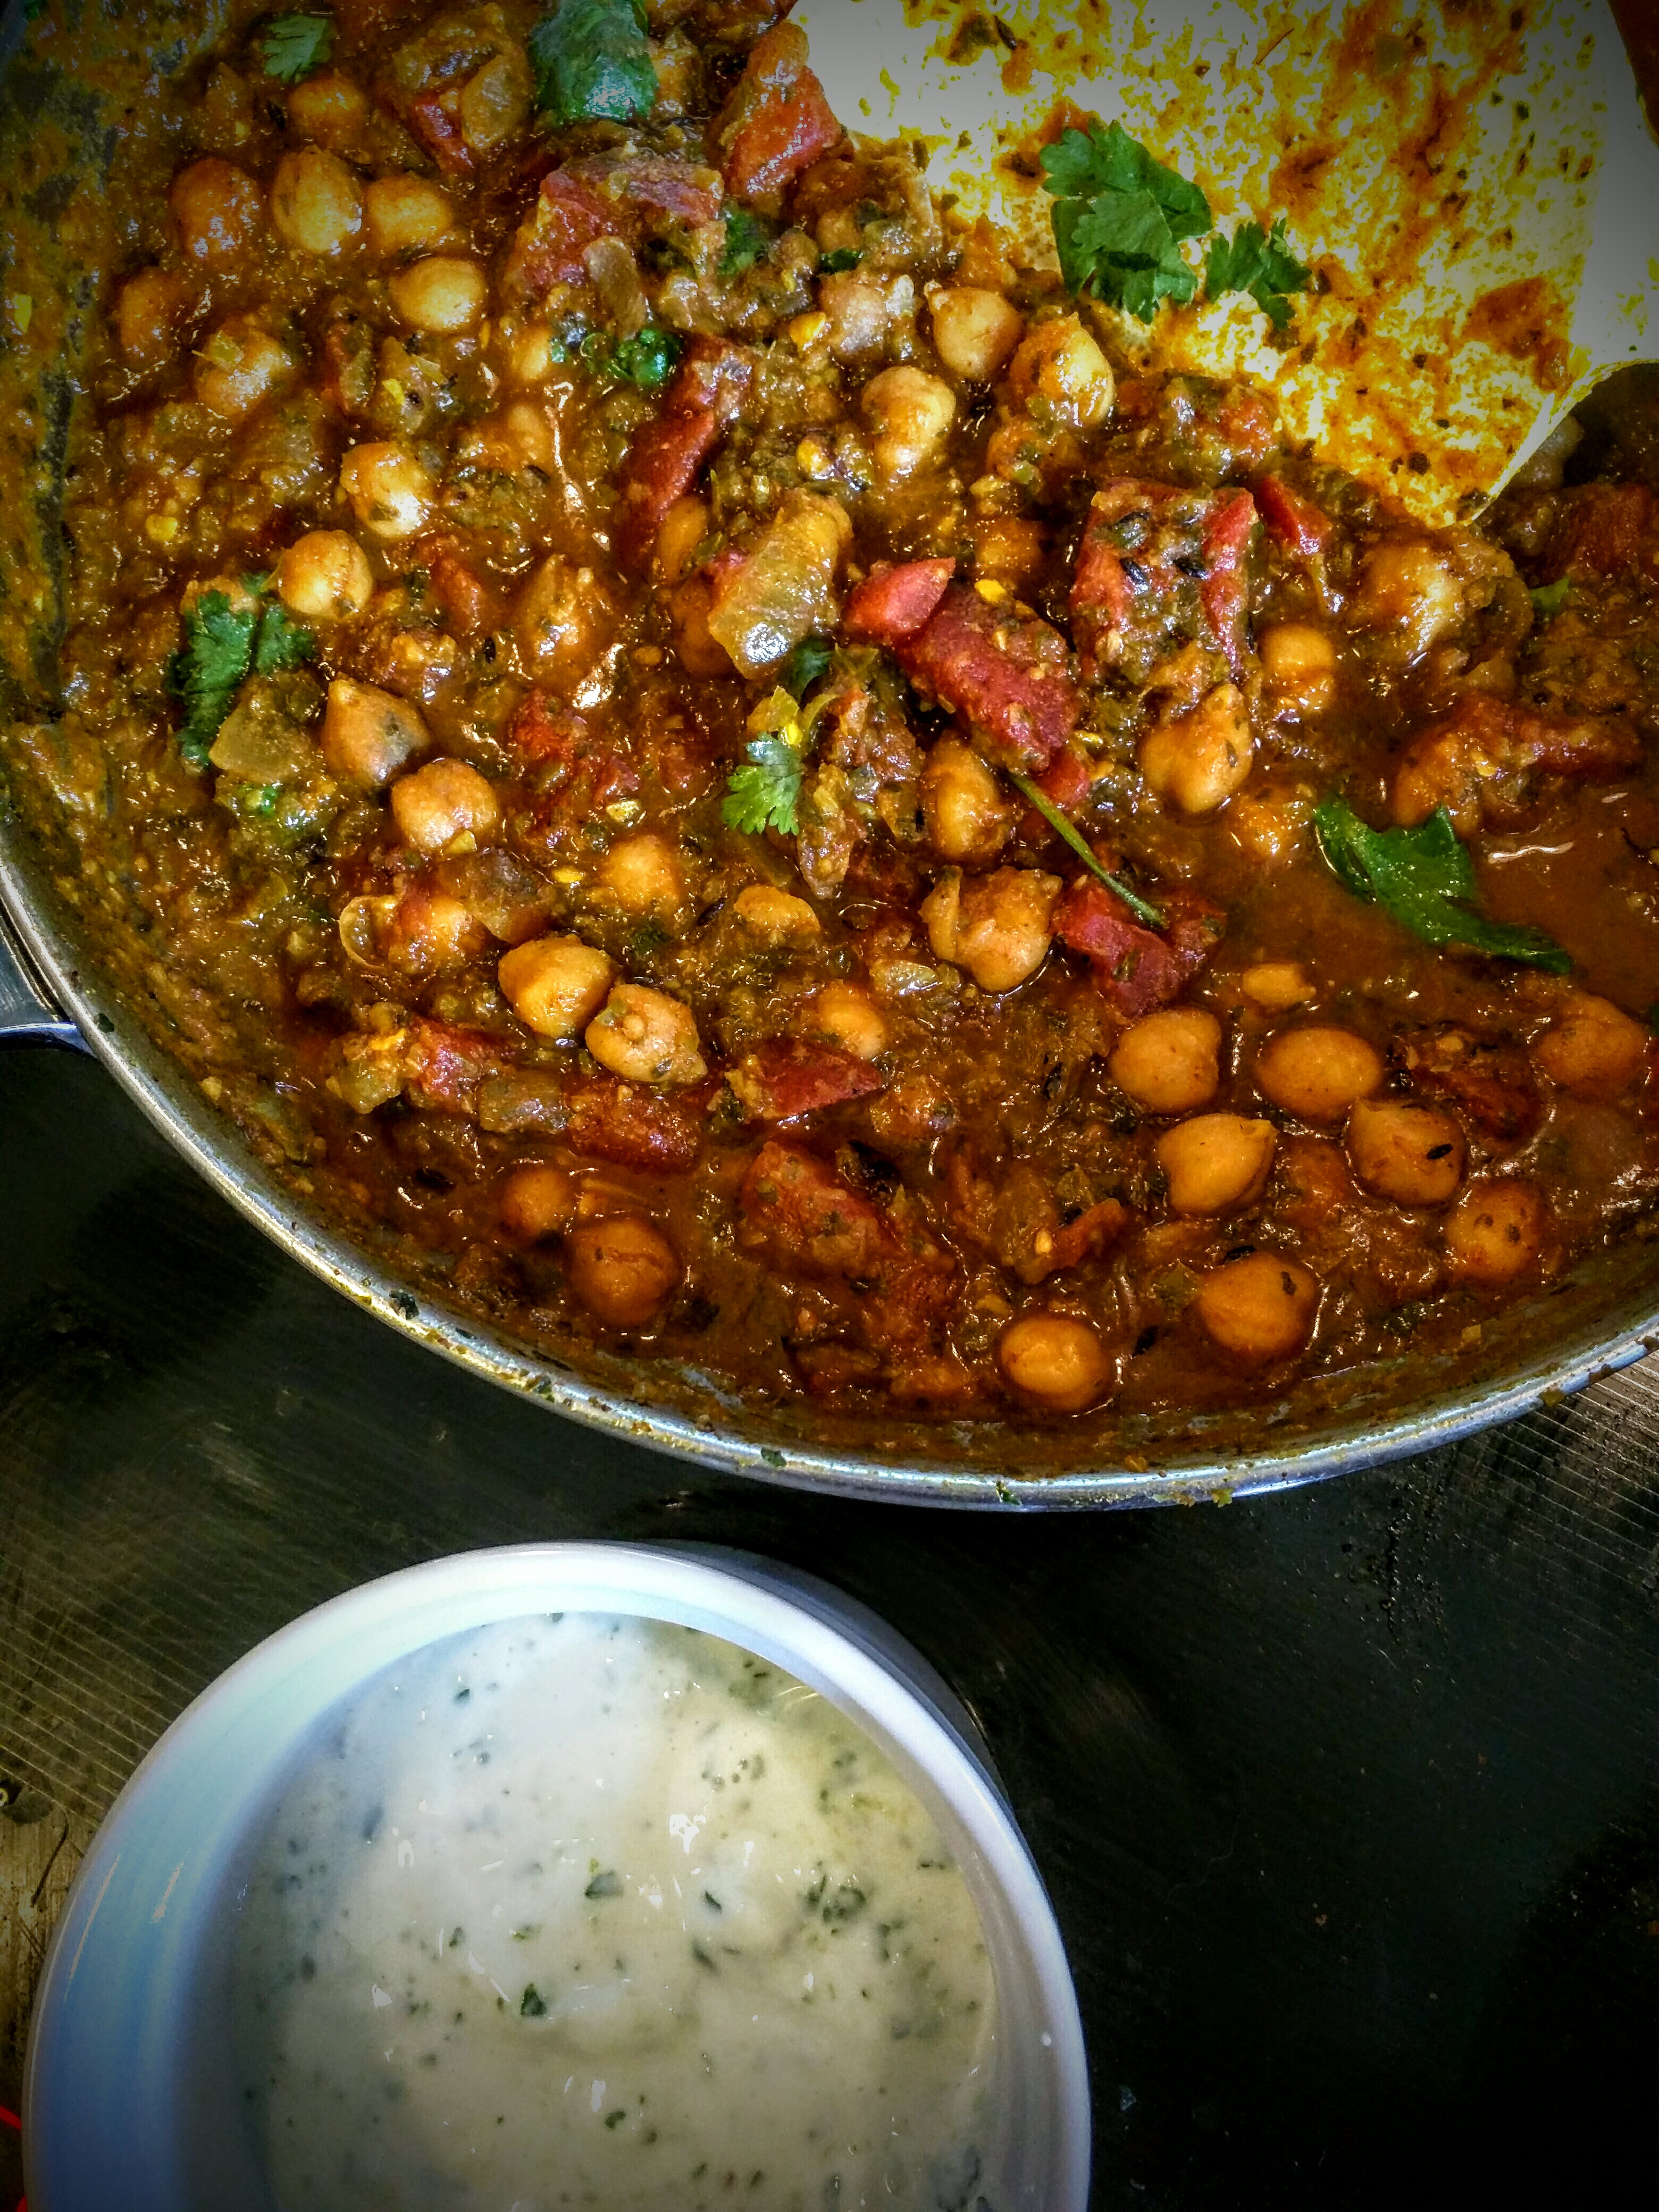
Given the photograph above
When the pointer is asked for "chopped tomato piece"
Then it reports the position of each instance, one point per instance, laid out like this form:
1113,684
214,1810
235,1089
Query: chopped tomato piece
1005,676
1291,519
630,1126
462,592
1066,780
654,184
1159,567
1135,968
443,1065
567,218
776,122
1602,531
435,117
784,1076
802,1214
584,771
659,466
893,603
1492,1085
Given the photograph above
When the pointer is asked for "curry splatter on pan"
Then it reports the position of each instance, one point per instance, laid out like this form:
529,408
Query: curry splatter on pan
1077,804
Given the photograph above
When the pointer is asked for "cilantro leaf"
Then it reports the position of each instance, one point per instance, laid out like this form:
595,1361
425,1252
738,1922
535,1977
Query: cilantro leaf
1259,263
1120,215
1549,599
281,643
295,46
809,660
591,59
222,644
839,259
764,794
206,673
647,358
749,239
1425,879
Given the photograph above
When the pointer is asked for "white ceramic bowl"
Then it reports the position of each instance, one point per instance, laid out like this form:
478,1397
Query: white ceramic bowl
130,2099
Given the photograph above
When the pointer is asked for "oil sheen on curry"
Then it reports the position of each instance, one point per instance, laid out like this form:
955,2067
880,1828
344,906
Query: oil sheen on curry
714,762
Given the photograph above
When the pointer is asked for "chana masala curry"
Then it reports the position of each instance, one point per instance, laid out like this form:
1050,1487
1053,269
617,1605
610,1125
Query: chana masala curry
706,757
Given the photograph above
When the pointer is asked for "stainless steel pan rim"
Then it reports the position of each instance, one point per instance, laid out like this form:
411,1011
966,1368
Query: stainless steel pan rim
163,1092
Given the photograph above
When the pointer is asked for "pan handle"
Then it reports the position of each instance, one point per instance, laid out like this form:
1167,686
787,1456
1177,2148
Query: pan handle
28,1013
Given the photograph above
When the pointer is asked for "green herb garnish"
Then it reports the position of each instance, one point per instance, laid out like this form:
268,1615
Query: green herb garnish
1142,909
839,259
810,659
764,794
590,60
531,2005
749,239
295,46
1549,599
1120,216
1259,263
647,359
1425,879
222,643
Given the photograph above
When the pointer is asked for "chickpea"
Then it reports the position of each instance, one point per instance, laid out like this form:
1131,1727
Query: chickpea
1056,1360
1261,1308
1317,1074
406,215
1495,1230
442,801
1592,1048
391,493
151,312
1169,1062
867,311
644,877
368,734
1199,759
646,1037
241,365
1300,664
1276,986
529,351
1406,588
562,622
1215,1161
909,413
1411,1154
445,293
556,984
1060,366
623,1269
683,529
775,917
967,819
329,108
430,931
537,1200
847,1016
700,652
998,926
324,576
219,209
316,206
975,331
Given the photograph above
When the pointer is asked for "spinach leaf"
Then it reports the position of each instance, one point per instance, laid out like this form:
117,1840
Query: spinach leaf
647,358
1259,263
1425,879
809,660
1120,215
1549,599
591,59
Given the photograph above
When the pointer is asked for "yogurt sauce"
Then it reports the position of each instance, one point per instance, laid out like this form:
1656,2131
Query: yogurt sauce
605,1912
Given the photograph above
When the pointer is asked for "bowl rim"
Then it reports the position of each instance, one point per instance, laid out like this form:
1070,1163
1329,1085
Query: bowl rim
807,1625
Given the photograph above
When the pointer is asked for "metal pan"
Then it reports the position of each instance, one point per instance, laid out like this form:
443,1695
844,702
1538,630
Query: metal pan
65,978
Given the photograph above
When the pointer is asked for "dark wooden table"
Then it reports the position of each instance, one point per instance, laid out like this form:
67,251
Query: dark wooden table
1348,1800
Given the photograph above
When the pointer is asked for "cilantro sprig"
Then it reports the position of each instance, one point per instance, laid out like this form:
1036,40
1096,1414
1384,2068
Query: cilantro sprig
297,46
222,645
1142,909
592,62
764,793
1259,263
1120,217
1425,879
